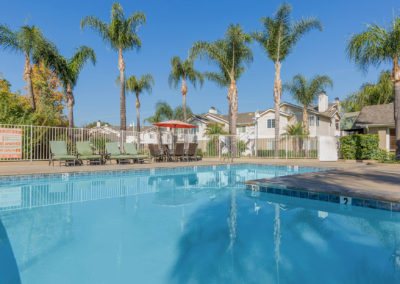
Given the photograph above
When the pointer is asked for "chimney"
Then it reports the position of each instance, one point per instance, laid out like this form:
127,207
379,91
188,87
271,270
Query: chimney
98,123
212,110
322,102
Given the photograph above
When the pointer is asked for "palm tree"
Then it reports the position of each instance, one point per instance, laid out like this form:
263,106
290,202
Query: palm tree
183,71
305,92
68,71
278,39
376,45
179,112
230,55
121,34
163,112
138,86
28,40
213,131
298,132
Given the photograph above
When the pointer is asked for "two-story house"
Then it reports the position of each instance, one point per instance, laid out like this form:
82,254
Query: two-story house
323,120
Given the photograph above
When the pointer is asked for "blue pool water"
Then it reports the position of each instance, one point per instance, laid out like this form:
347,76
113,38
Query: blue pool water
188,226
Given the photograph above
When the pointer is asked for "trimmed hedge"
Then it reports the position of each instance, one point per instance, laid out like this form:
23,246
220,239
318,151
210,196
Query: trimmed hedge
360,147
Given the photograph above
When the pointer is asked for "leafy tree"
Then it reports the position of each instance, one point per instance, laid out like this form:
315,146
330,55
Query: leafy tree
121,35
371,94
278,40
213,130
305,92
29,41
49,95
14,108
138,86
375,45
230,55
183,71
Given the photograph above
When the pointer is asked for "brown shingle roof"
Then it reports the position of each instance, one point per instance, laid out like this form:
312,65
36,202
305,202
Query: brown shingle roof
376,115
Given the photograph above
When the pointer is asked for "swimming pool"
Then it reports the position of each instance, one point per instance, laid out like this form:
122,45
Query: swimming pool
188,225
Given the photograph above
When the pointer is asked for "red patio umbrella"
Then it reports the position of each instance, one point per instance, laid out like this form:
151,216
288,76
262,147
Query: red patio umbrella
174,124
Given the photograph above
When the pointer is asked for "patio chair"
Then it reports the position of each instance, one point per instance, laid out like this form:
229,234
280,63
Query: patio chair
192,152
85,153
130,149
59,152
113,153
167,152
155,153
179,152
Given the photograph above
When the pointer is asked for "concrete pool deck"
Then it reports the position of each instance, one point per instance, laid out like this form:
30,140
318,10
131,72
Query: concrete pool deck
364,180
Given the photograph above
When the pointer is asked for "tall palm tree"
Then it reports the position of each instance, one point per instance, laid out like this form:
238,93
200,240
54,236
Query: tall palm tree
121,35
305,92
230,55
183,71
376,45
68,71
138,86
278,39
28,40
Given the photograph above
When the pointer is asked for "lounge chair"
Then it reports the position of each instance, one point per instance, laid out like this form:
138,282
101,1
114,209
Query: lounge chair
155,153
113,153
179,152
130,149
59,152
167,152
85,152
192,152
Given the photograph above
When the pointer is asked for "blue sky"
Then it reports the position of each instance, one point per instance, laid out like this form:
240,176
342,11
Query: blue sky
172,27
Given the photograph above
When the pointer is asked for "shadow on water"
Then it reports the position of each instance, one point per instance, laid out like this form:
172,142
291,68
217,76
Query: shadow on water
240,239
8,266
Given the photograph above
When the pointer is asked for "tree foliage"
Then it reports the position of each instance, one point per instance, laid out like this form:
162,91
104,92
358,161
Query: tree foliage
178,113
139,85
382,92
230,54
305,92
183,69
280,33
121,32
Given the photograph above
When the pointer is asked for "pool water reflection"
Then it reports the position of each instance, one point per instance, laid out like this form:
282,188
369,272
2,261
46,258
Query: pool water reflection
190,226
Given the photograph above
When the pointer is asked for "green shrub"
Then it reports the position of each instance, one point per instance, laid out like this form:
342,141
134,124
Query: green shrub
199,152
360,147
211,148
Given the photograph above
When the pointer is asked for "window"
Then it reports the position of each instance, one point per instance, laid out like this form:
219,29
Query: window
241,129
271,123
311,120
317,121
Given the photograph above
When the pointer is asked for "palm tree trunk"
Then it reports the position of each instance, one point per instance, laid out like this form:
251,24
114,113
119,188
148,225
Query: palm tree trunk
396,82
121,67
28,78
70,105
277,102
305,120
234,106
138,119
233,111
159,139
184,92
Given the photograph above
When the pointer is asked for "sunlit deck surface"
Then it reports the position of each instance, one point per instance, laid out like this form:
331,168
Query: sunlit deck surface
377,181
374,181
